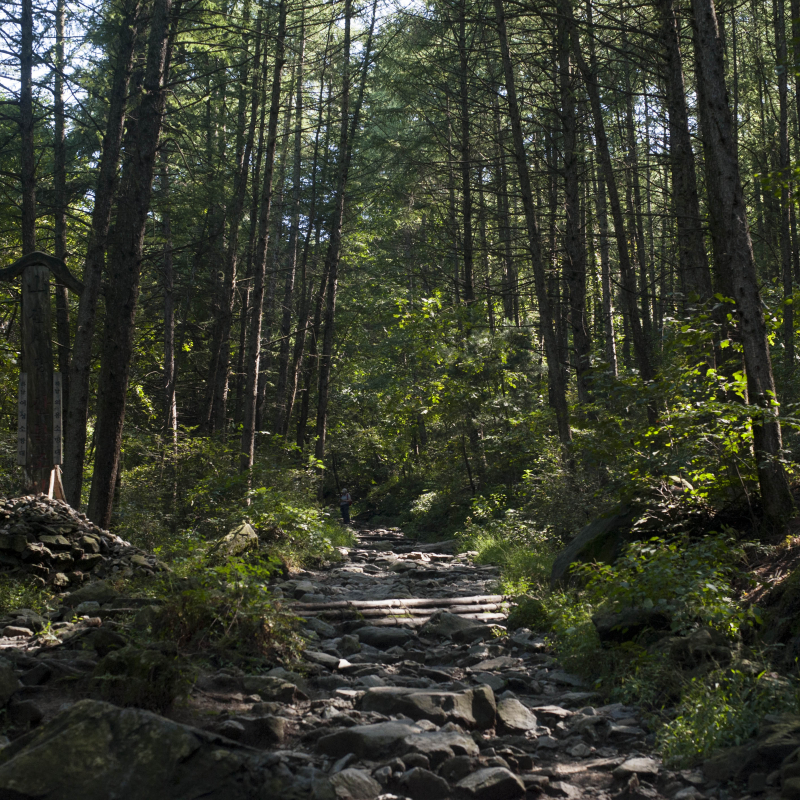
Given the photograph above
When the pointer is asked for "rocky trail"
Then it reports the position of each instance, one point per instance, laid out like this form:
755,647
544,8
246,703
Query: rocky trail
411,688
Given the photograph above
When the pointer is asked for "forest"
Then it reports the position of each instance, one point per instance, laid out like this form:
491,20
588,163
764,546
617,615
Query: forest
515,274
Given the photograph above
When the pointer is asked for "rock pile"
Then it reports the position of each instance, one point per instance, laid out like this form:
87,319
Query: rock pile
60,547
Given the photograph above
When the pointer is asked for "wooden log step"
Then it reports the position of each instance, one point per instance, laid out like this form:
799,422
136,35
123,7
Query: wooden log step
418,622
407,612
402,602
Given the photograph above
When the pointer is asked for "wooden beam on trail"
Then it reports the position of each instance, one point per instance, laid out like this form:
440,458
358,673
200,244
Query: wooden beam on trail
401,602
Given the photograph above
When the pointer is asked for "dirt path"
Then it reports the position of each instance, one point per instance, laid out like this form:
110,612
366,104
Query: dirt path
445,672
411,688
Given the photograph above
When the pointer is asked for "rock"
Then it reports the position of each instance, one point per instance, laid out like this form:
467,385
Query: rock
492,783
790,768
514,717
25,712
636,766
325,660
12,631
703,647
564,789
367,741
239,541
422,784
383,638
629,625
497,664
790,790
272,687
147,678
757,782
443,623
580,750
37,675
438,707
261,730
439,746
601,540
92,746
9,683
778,740
354,784
730,763
320,627
456,767
494,682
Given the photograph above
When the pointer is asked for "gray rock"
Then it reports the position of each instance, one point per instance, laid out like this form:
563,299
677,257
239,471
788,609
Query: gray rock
320,627
261,730
514,717
368,741
272,687
495,682
9,683
99,591
422,784
383,638
436,706
239,541
456,768
324,659
355,784
24,712
601,540
93,746
12,631
492,783
630,625
637,766
443,623
439,746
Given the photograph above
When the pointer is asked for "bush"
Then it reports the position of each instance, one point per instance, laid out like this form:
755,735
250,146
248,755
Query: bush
229,612
721,710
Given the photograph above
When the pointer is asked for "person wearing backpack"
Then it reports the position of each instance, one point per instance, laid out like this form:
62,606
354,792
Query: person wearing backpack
344,504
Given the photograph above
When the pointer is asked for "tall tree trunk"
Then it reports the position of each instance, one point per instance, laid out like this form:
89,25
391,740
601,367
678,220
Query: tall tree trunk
253,358
603,152
170,404
575,266
80,367
605,276
133,206
783,166
466,164
693,261
725,192
281,387
510,290
346,138
557,384
244,149
60,202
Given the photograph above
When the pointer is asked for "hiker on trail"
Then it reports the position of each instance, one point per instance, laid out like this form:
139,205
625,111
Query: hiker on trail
344,504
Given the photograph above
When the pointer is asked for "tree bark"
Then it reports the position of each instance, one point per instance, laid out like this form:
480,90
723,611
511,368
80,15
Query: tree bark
466,163
346,138
80,367
253,358
133,206
557,383
60,203
725,192
575,253
281,387
627,273
692,258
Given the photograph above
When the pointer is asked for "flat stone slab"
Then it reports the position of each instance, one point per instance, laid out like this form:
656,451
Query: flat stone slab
367,741
492,783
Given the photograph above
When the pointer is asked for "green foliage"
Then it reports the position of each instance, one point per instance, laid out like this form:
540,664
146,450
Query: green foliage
23,593
721,710
688,579
227,611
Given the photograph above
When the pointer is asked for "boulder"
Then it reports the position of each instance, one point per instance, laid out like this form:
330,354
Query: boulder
603,539
367,741
492,783
701,648
514,717
439,746
383,638
272,687
93,751
354,784
238,542
99,592
448,625
629,625
422,784
437,706
9,683
147,678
